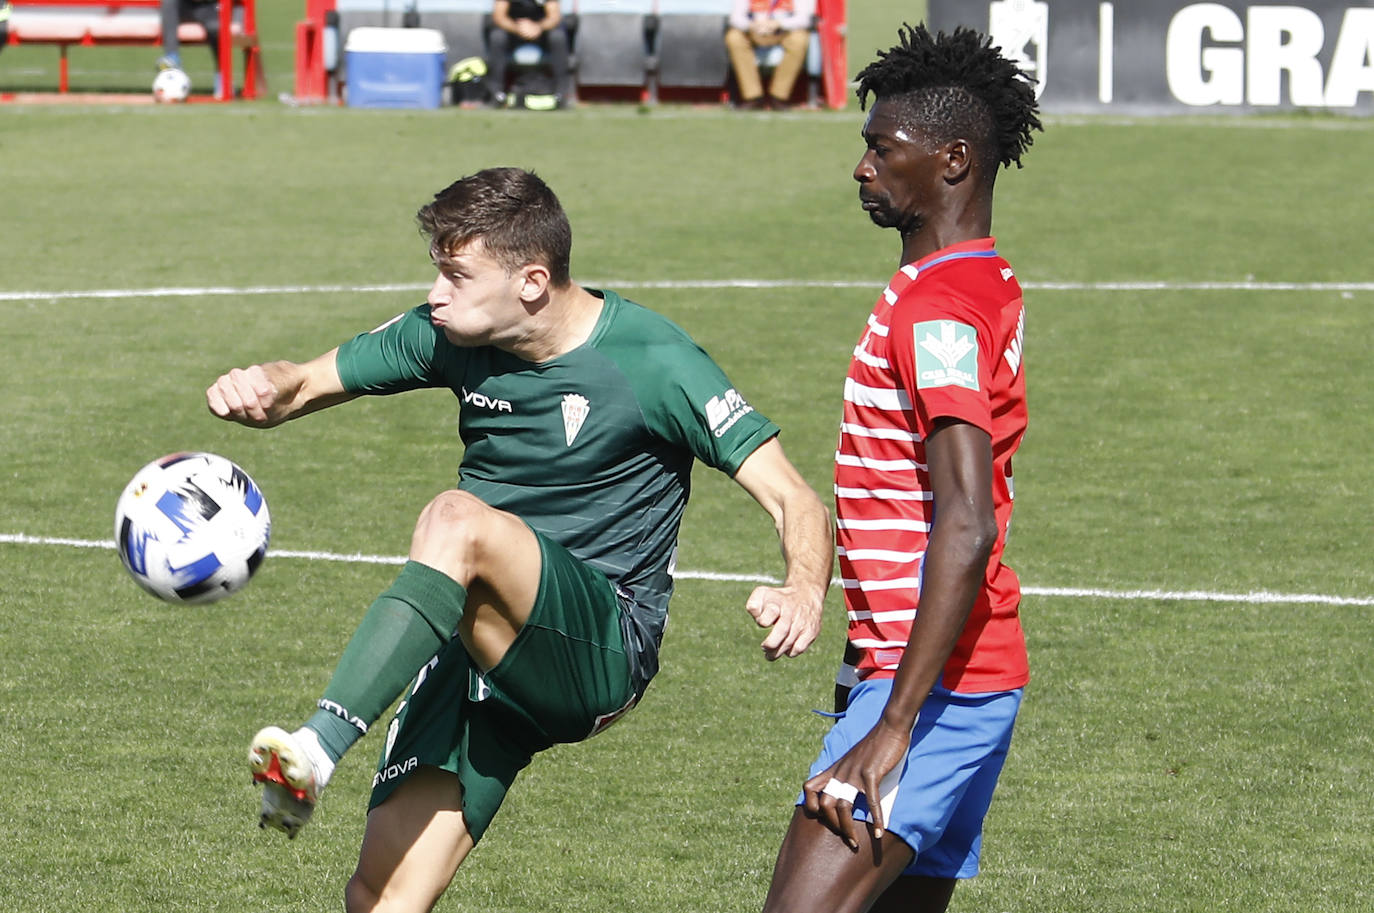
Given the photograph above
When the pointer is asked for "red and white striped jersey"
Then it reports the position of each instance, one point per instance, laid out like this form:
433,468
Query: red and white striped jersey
944,340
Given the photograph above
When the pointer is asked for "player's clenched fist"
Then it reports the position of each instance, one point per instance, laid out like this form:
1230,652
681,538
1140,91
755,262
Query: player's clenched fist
793,616
244,395
266,395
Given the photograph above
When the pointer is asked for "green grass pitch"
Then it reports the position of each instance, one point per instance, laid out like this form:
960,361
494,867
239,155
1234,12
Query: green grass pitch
1174,753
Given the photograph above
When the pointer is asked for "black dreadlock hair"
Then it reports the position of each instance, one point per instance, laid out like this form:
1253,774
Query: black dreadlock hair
956,86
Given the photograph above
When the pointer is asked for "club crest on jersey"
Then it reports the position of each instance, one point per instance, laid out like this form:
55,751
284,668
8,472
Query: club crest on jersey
575,409
946,354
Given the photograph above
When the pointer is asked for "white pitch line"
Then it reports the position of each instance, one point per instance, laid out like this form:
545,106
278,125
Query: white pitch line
1260,596
1263,597
1246,285
207,291
1242,285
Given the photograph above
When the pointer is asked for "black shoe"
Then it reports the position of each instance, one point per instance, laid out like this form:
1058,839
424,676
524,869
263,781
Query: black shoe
752,104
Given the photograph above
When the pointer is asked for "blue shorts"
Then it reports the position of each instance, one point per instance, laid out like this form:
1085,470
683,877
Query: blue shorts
956,755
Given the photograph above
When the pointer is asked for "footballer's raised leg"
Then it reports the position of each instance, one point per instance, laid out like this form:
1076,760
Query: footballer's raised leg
292,776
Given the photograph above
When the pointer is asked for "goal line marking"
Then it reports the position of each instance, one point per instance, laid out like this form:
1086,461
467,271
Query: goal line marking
1243,285
1260,596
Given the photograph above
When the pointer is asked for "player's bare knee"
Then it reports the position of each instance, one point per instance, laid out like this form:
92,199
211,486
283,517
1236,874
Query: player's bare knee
359,897
452,521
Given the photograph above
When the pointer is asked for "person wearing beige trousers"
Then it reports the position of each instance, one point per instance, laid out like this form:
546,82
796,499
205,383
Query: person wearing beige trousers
757,24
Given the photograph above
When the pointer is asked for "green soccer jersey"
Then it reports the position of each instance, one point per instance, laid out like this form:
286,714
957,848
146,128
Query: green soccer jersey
593,448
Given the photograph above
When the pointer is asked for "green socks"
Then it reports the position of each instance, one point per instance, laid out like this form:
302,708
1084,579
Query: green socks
400,632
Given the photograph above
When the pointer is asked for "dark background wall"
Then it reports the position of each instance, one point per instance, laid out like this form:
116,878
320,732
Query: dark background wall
1154,56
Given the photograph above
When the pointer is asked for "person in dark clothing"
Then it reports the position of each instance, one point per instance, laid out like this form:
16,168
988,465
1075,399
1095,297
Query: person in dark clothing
517,22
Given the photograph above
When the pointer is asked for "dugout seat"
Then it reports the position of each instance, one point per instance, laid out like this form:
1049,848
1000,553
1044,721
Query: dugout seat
690,43
612,43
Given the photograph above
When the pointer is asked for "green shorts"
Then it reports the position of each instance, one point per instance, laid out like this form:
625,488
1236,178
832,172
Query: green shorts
565,678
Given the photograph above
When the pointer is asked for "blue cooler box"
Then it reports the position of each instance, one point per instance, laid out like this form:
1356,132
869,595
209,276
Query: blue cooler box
394,68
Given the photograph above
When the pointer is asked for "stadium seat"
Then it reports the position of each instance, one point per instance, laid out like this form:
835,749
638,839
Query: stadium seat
612,43
689,43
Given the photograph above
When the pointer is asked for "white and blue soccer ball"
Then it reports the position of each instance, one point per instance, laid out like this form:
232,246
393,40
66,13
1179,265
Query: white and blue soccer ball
192,527
171,85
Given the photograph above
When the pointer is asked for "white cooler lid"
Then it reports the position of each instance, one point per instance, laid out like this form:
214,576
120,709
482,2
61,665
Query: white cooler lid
395,41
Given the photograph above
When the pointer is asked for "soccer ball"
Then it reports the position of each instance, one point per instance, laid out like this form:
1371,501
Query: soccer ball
191,527
171,85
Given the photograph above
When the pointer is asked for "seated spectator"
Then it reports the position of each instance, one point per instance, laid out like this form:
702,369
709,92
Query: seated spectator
517,22
174,13
765,23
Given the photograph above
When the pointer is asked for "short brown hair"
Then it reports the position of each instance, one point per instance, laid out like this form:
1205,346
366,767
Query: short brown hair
511,211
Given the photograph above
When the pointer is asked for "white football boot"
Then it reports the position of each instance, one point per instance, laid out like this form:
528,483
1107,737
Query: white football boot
291,778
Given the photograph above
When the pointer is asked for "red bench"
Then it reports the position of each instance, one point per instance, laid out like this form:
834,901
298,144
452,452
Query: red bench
88,23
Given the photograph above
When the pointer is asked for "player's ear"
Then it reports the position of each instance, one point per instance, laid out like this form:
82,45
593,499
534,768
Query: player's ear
958,155
534,282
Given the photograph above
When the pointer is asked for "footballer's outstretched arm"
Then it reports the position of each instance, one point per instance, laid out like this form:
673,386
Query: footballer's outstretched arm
266,395
793,610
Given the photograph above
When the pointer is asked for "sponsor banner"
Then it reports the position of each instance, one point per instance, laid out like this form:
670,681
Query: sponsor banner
1166,56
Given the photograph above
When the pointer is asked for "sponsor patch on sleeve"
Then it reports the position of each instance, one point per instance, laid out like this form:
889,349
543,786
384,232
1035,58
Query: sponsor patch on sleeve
724,410
946,354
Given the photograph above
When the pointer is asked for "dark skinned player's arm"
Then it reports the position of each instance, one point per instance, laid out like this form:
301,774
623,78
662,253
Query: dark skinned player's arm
962,536
961,539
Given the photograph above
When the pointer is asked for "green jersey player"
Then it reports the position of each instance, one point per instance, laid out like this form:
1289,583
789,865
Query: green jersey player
535,595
